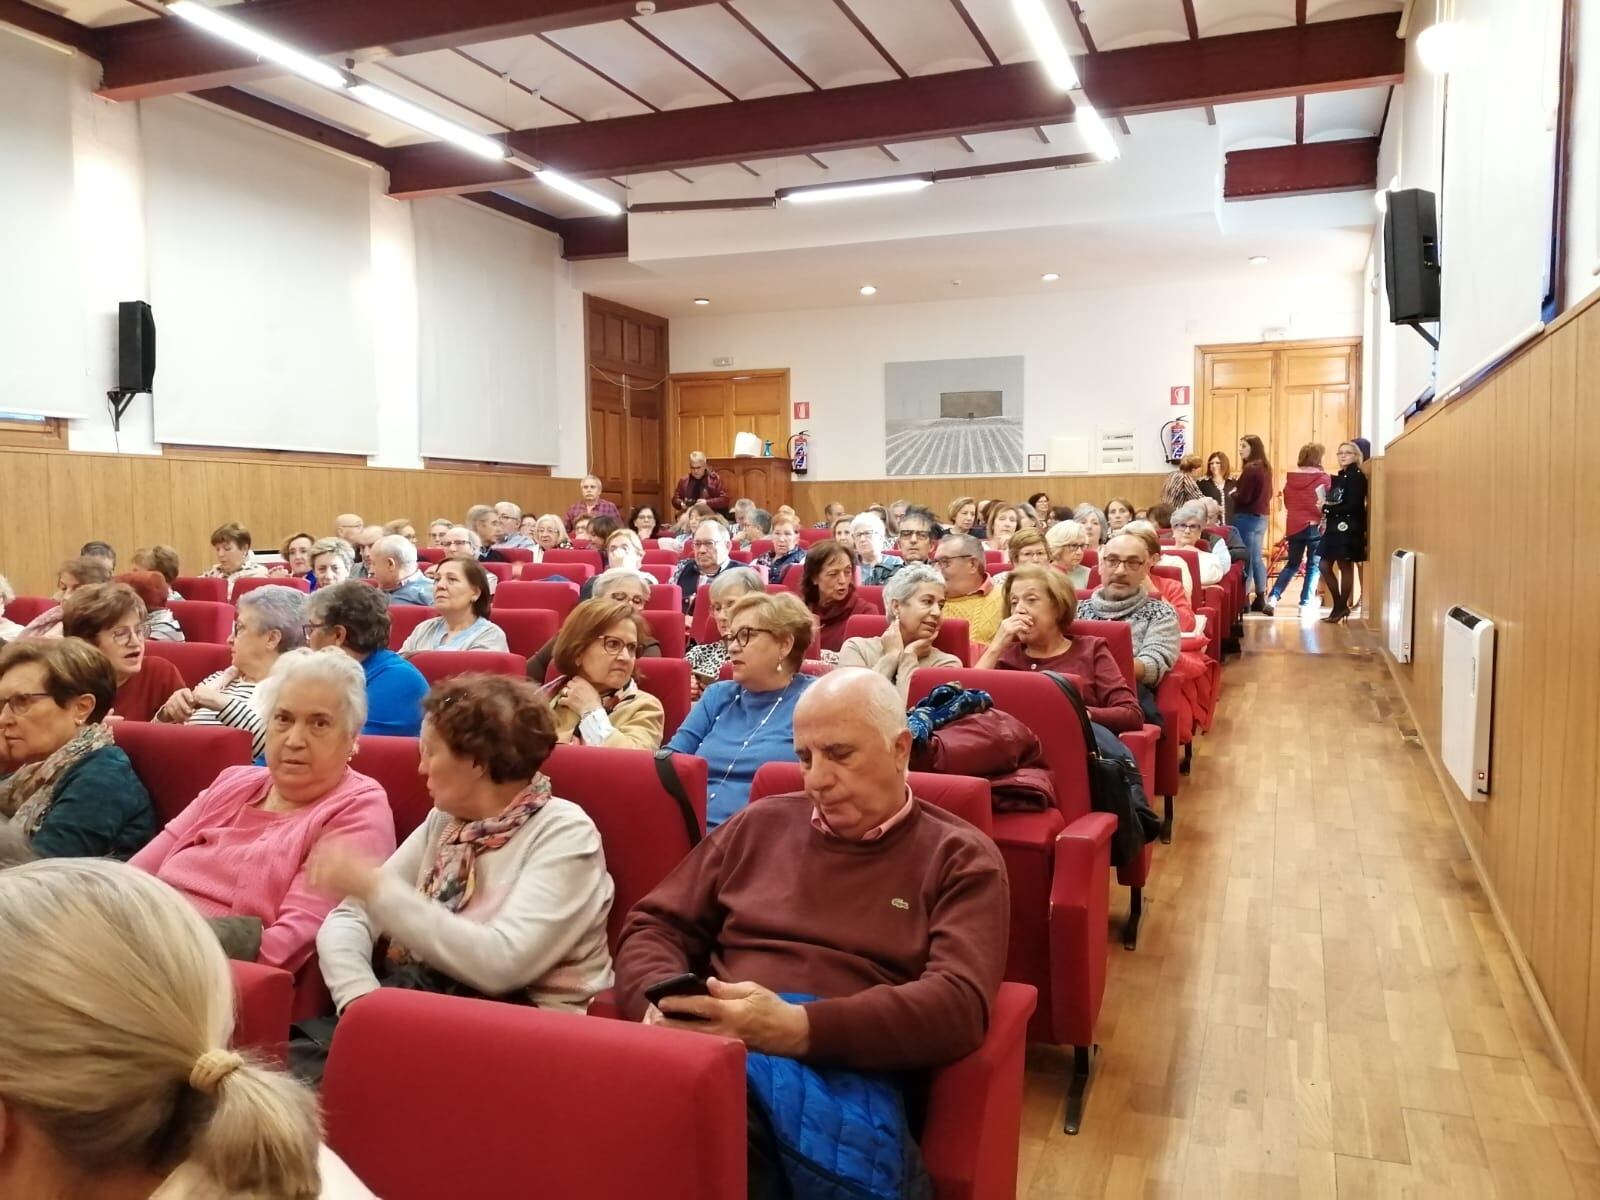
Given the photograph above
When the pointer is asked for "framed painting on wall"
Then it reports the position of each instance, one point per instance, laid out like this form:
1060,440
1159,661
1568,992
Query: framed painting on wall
953,416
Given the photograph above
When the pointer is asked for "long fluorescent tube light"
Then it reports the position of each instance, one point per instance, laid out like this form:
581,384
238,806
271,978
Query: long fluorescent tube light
421,118
241,35
1097,134
1047,43
855,191
598,201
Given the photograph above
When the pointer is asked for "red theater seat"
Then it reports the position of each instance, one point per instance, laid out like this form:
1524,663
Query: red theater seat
446,664
204,620
178,762
392,762
760,546
667,628
194,660
502,571
430,554
576,554
667,679
404,619
964,795
666,555
559,598
810,537
249,584
26,608
622,1110
554,572
952,639
661,572
262,999
515,554
201,587
665,597
526,629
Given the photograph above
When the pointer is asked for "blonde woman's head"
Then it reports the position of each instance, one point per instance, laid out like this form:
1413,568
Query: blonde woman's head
113,1048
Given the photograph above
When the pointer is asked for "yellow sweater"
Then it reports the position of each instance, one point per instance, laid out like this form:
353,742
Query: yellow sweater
981,612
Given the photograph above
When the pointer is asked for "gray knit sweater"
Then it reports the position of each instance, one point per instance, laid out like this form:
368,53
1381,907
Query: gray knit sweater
1155,627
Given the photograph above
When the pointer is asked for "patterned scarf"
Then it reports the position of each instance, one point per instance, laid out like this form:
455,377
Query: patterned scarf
450,879
28,792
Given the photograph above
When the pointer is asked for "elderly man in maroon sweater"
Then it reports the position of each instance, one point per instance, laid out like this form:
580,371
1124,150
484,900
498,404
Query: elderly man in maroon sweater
893,911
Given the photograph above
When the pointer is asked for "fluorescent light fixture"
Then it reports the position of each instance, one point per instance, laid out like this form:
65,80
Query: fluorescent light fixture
1097,134
1047,43
1258,260
221,25
701,300
855,191
420,118
1049,277
568,186
868,290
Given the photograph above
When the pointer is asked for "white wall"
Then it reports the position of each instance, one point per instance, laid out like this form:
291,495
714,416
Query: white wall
1091,359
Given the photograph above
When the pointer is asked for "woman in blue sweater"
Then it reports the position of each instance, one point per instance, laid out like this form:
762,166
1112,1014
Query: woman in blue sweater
749,720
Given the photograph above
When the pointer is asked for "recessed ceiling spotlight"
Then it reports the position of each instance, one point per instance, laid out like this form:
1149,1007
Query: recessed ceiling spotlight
868,290
701,300
1049,277
1258,260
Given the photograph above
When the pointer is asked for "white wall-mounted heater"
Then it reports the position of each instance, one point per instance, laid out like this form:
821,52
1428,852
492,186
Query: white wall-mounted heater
1467,712
1401,603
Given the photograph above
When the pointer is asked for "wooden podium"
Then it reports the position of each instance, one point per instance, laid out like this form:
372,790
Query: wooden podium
764,480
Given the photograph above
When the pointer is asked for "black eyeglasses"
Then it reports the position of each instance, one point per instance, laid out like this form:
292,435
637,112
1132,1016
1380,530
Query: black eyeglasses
740,638
616,647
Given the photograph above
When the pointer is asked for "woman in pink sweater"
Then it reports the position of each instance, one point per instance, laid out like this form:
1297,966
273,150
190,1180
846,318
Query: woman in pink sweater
240,849
1303,490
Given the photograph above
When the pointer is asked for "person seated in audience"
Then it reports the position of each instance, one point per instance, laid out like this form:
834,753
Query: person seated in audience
755,527
1040,607
1237,551
1027,516
1188,524
436,531
701,485
1067,541
1125,564
110,617
969,592
1093,522
485,525
9,630
706,659
461,593
394,569
164,561
365,541
868,539
828,586
1026,547
711,546
296,551
501,893
230,544
511,528
786,549
962,514
75,573
622,587
597,701
840,531
580,532
271,622
354,618
892,515
1003,521
1040,503
401,527
550,532
67,791
240,848
104,551
1118,513
461,542
644,521
600,531
348,526
590,503
623,551
785,510
890,988
529,526
917,535
112,1093
332,560
831,513
742,722
913,600
740,512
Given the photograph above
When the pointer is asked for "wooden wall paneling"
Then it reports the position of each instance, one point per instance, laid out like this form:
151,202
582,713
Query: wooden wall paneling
627,371
761,407
812,496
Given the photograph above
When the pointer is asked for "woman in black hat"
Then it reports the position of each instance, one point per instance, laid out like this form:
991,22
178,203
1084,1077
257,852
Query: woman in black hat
1344,536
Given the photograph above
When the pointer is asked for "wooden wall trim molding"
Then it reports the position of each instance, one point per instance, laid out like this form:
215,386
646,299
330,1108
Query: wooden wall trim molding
811,496
326,458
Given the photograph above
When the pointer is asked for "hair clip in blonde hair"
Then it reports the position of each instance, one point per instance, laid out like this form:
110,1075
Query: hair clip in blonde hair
211,1068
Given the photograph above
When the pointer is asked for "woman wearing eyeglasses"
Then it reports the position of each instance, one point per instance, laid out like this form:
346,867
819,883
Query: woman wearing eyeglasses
111,618
596,700
745,721
1067,541
69,791
828,585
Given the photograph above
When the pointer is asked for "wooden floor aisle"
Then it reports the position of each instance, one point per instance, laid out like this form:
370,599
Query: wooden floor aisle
1321,1003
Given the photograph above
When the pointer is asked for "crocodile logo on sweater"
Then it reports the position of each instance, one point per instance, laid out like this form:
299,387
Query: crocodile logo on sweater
899,903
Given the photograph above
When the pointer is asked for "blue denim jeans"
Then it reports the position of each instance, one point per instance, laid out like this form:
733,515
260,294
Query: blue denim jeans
1253,530
1303,543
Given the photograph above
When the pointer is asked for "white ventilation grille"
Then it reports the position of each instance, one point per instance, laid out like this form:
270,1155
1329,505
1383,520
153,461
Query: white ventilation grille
1402,603
1467,712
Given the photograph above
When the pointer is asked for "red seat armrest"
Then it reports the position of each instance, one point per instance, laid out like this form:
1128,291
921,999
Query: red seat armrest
263,997
1080,881
1142,744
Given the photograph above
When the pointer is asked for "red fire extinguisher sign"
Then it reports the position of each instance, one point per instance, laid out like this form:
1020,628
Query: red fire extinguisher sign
802,410
1180,396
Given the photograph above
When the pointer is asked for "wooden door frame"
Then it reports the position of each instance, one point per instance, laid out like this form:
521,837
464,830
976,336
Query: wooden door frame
625,310
1200,352
677,456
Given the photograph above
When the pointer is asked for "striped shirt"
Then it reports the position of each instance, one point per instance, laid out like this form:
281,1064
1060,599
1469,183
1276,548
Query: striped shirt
238,713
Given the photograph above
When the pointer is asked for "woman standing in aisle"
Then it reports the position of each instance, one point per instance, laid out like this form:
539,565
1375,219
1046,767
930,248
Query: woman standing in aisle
1344,537
1219,483
1303,490
1252,500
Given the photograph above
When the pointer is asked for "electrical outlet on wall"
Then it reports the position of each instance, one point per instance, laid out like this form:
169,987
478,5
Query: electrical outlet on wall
725,361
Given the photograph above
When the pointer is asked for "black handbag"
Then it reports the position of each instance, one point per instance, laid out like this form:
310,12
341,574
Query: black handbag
1115,785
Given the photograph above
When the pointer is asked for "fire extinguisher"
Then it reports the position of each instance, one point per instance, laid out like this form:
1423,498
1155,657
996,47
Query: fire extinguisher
799,447
1174,440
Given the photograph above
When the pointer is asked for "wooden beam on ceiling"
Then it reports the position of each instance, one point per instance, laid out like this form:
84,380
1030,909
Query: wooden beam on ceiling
52,27
1301,170
158,58
1323,56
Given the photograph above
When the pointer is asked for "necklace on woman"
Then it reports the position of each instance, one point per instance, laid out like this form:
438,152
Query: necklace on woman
745,745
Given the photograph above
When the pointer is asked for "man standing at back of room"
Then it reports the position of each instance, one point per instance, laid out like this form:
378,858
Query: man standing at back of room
701,485
592,505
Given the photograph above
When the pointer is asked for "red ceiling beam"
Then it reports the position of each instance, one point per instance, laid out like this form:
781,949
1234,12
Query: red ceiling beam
1302,170
157,58
1325,56
49,25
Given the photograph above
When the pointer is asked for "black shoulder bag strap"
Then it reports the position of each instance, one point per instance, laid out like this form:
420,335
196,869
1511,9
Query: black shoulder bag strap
668,776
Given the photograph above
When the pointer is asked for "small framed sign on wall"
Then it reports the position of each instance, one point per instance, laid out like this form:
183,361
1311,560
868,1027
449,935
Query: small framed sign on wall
1036,462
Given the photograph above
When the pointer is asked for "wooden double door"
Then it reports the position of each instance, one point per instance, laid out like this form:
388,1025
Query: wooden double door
1287,394
628,373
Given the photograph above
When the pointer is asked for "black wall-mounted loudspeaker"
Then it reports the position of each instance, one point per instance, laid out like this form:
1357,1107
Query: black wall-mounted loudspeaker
1411,256
136,346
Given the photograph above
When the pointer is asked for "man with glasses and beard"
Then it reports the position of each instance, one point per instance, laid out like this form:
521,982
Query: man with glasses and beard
969,592
1121,596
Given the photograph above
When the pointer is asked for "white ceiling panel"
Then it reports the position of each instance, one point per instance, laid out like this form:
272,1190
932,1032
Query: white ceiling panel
1218,17
819,39
924,36
337,110
481,89
379,72
1334,115
1256,123
725,50
100,12
617,49
1114,25
998,21
545,69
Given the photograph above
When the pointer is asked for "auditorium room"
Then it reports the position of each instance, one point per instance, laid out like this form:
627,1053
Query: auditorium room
798,599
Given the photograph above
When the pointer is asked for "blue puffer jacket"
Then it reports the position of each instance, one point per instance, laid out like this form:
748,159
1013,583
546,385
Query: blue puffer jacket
842,1135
